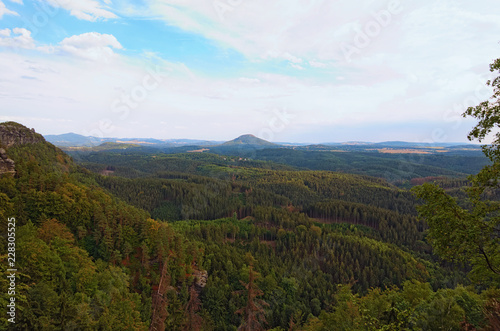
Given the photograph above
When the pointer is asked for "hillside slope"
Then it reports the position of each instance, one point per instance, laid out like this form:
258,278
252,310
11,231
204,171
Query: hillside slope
248,139
87,260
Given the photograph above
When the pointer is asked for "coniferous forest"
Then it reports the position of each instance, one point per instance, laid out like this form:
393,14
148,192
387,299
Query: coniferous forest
126,239
195,242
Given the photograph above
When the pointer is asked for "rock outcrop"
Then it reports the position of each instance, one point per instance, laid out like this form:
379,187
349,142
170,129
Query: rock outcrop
13,134
201,278
6,164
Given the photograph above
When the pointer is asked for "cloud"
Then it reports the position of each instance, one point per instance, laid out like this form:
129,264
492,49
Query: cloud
317,64
291,58
249,80
88,10
16,38
294,30
296,66
5,11
289,29
209,108
415,69
91,45
91,40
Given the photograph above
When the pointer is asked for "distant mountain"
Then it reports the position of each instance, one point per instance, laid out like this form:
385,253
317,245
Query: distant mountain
72,139
192,142
77,140
417,144
248,139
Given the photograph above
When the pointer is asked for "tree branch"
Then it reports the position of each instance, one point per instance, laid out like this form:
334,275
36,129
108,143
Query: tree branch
488,261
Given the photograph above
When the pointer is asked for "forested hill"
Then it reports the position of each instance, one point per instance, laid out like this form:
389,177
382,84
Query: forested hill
212,242
85,259
248,139
398,165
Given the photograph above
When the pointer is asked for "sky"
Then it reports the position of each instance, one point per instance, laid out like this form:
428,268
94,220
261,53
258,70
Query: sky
284,70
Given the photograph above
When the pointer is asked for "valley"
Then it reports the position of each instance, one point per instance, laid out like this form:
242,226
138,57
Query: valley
319,235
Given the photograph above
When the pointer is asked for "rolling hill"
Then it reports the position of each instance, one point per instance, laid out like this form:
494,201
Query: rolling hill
249,139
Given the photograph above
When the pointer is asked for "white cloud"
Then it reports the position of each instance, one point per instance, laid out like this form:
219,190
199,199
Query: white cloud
5,11
17,1
91,40
415,69
91,45
296,66
204,107
288,28
296,31
317,64
16,38
89,10
292,58
247,80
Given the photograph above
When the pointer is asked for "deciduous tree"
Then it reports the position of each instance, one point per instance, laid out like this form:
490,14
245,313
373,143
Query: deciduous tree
471,233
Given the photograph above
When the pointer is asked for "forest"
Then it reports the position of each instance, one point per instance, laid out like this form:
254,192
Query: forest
202,241
397,167
262,239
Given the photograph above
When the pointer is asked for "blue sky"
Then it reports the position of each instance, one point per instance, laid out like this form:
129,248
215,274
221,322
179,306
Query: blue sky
294,70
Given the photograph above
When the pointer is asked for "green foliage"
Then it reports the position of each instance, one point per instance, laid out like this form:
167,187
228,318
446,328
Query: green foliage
415,307
86,260
458,234
488,115
469,233
396,168
322,250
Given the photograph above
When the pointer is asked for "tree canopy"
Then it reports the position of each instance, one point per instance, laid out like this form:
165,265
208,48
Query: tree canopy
469,232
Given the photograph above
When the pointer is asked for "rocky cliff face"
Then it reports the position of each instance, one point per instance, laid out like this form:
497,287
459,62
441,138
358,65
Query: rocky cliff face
13,134
6,164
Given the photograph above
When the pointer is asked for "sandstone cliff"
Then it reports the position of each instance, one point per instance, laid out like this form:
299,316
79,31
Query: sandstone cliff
13,134
6,164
